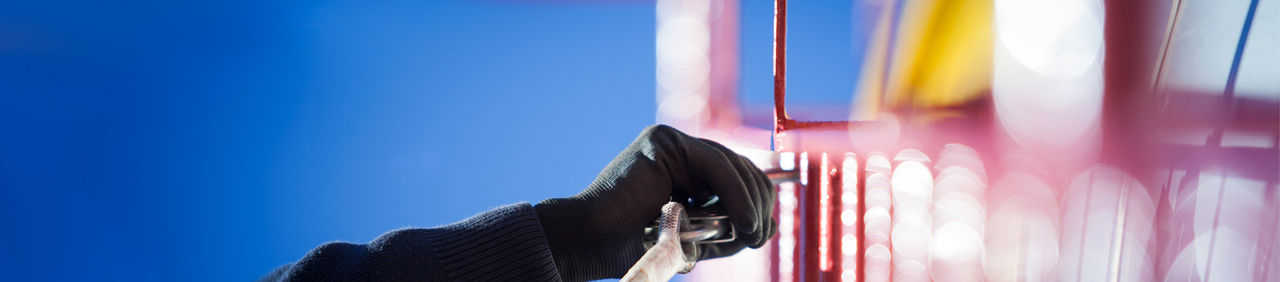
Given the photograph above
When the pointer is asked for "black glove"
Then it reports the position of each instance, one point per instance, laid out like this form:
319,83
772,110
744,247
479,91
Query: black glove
598,233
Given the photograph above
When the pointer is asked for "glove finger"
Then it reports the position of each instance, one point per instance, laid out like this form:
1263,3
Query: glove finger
721,175
771,230
749,171
769,199
770,194
759,188
764,198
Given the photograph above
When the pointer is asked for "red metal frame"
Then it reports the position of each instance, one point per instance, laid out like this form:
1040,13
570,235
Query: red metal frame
782,121
1132,113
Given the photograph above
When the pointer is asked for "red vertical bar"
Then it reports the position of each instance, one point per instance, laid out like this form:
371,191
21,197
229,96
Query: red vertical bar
779,65
806,260
845,185
785,244
860,229
811,267
833,223
789,251
797,233
786,253
824,215
775,245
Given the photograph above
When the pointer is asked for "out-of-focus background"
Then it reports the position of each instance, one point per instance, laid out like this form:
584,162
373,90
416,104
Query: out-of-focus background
950,140
213,141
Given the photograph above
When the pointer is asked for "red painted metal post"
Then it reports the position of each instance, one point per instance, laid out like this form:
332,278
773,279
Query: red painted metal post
779,65
810,220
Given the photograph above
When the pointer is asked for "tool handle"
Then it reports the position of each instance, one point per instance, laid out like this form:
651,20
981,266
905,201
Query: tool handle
666,258
676,248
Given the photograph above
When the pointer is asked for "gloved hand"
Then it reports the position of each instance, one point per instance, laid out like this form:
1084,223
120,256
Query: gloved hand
598,233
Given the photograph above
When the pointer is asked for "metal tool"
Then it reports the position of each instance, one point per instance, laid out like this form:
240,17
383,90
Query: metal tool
700,227
667,255
674,240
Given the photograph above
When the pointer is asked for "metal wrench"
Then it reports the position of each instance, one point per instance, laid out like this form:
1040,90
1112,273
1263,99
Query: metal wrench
673,240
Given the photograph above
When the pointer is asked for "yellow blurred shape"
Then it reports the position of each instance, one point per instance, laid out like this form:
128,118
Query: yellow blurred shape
941,57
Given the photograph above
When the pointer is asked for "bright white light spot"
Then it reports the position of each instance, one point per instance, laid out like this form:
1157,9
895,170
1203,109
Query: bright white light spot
956,155
1021,241
786,227
804,168
787,161
682,39
1241,199
910,270
877,226
957,253
1052,37
849,244
912,185
849,181
675,8
958,179
849,199
849,217
785,222
787,200
878,259
1029,188
878,163
689,75
1107,219
878,191
1232,259
682,46
1226,212
959,207
682,53
786,267
911,234
1047,72
849,275
787,243
911,155
954,241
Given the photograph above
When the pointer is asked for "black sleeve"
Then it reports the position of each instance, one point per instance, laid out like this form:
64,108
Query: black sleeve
503,244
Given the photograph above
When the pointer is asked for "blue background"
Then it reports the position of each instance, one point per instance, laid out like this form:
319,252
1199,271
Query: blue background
185,141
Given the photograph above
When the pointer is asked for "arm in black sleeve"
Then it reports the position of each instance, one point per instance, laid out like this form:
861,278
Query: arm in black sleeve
503,244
